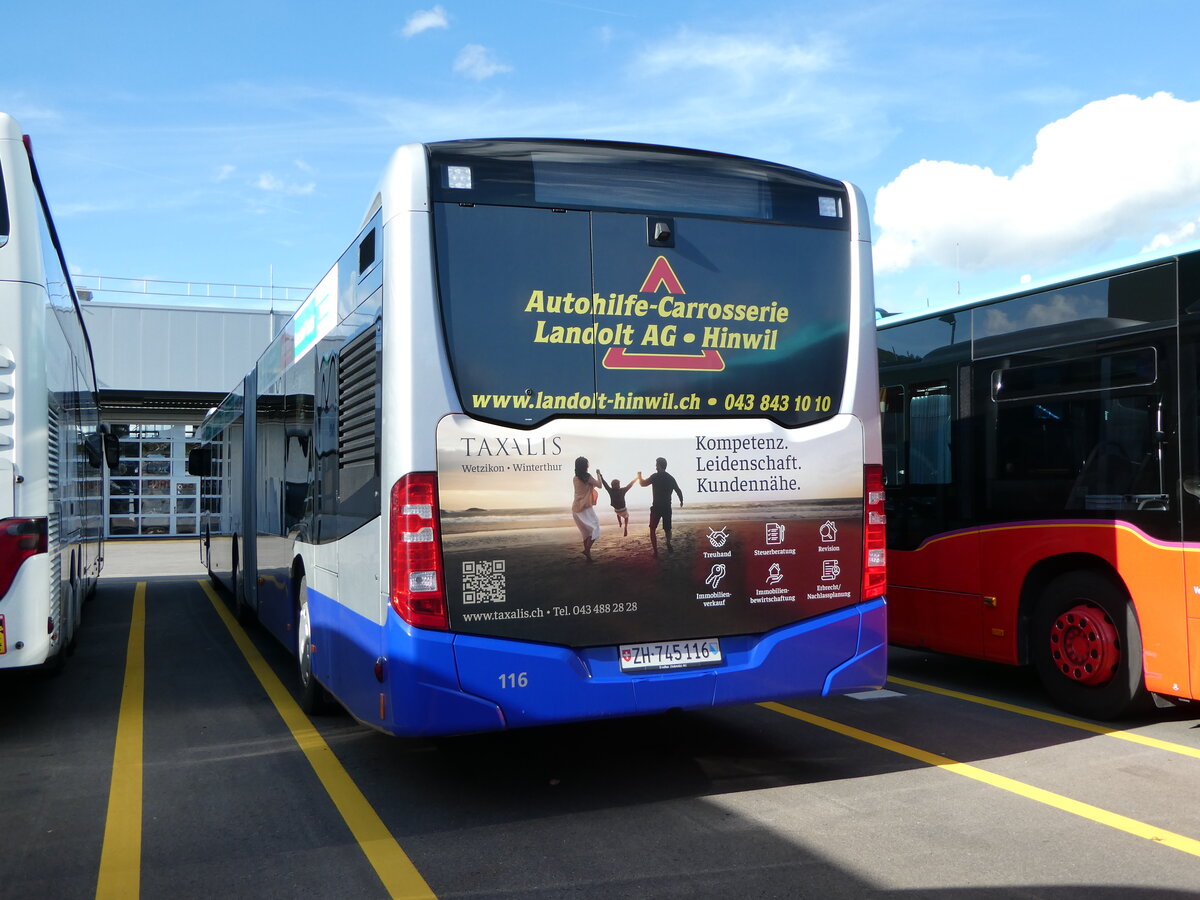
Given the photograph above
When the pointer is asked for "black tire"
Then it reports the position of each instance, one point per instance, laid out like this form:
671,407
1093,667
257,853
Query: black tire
241,609
1086,646
314,699
53,666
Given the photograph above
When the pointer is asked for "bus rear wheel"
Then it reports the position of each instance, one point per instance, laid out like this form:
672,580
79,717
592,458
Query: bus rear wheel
314,699
241,609
1087,647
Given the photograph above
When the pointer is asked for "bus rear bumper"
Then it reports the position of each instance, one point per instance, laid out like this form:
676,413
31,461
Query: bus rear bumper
537,684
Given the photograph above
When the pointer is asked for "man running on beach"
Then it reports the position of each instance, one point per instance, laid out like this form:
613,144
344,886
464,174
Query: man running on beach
663,484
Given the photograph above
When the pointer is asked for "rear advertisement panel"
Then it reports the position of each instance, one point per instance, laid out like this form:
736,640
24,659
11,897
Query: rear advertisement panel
765,527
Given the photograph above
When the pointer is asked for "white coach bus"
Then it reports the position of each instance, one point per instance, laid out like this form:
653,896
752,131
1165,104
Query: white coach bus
52,447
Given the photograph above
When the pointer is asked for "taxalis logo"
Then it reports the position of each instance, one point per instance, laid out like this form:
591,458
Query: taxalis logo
662,279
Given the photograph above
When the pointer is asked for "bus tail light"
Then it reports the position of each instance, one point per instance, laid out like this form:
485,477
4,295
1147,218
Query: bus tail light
417,584
19,540
874,535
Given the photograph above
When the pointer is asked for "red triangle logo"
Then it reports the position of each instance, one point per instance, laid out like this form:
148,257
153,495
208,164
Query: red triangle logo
661,274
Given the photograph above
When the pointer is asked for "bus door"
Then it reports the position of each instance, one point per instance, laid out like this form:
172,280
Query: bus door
935,587
1189,452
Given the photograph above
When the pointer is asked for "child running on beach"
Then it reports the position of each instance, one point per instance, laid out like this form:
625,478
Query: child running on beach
616,496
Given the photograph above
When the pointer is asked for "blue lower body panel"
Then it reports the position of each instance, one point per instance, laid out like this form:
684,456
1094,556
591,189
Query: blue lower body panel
439,683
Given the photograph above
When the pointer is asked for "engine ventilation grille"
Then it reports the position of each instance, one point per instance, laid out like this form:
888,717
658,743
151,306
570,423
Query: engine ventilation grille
358,390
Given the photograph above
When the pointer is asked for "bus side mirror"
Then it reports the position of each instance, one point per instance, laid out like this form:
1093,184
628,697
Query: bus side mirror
93,449
200,462
112,451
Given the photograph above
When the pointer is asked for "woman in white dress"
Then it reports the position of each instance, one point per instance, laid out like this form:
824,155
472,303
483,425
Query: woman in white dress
583,508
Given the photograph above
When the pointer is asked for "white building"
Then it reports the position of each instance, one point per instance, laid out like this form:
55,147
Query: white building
160,368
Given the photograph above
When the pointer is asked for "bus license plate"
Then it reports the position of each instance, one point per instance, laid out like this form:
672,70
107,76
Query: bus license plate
670,654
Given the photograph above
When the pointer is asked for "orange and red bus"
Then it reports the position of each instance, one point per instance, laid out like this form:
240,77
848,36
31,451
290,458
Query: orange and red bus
1042,462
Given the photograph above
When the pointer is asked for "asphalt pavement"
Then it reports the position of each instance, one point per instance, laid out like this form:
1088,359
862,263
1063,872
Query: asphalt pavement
169,759
152,558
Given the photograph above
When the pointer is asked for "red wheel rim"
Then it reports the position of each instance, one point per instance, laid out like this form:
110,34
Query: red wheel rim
1085,646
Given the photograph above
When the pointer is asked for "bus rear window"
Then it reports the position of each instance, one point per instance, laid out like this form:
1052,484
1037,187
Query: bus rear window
653,186
594,175
553,313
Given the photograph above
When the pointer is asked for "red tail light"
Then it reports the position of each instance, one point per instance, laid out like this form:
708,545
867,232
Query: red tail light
417,584
874,535
19,540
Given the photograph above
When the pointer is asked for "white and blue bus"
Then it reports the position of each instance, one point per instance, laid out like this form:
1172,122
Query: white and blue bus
572,429
51,446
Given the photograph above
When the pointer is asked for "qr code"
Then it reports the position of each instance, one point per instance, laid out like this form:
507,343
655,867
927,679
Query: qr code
483,581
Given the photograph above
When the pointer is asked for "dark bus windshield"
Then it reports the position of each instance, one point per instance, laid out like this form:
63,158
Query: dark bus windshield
609,280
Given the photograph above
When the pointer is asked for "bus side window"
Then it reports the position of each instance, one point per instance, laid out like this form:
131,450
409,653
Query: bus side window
891,405
929,434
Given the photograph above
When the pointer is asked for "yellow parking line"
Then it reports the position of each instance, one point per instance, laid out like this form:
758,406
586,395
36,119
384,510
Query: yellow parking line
399,876
1049,798
1130,736
121,852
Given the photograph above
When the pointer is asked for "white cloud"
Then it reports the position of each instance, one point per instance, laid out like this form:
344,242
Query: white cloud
224,173
272,184
67,210
1182,234
478,62
424,19
1116,168
746,59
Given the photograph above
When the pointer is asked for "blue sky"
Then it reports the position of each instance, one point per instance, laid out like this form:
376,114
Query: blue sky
241,142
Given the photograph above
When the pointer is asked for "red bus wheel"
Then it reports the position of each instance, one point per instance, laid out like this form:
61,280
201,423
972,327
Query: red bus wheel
1087,647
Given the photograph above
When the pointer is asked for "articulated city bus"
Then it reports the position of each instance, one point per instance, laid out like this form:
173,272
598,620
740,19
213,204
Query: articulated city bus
51,447
1042,451
572,429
